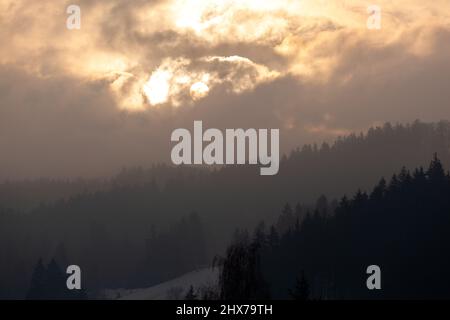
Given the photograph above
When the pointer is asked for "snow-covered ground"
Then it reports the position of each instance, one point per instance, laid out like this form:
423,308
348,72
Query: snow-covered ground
171,290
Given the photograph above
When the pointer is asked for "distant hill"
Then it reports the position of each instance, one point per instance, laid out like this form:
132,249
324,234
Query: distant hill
95,221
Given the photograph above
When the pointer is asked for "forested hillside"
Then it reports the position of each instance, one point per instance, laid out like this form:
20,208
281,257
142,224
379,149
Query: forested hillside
402,226
145,226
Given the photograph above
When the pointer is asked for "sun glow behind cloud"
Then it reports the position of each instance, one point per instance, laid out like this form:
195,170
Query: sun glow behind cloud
220,15
183,81
137,68
304,37
158,87
295,29
199,90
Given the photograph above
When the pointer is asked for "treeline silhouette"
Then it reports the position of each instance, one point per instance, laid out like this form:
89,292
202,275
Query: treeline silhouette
49,283
108,259
402,226
128,231
354,161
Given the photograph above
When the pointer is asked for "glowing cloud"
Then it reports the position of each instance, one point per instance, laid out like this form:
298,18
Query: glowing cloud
158,87
239,43
199,90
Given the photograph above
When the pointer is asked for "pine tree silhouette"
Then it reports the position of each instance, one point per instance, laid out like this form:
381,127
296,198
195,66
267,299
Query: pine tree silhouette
49,283
190,295
301,291
241,276
37,289
56,282
273,237
436,172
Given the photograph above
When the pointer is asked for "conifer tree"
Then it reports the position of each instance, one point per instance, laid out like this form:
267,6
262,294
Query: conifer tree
190,295
301,291
38,280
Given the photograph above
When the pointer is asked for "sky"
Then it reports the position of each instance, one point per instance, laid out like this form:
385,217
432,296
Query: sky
89,101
